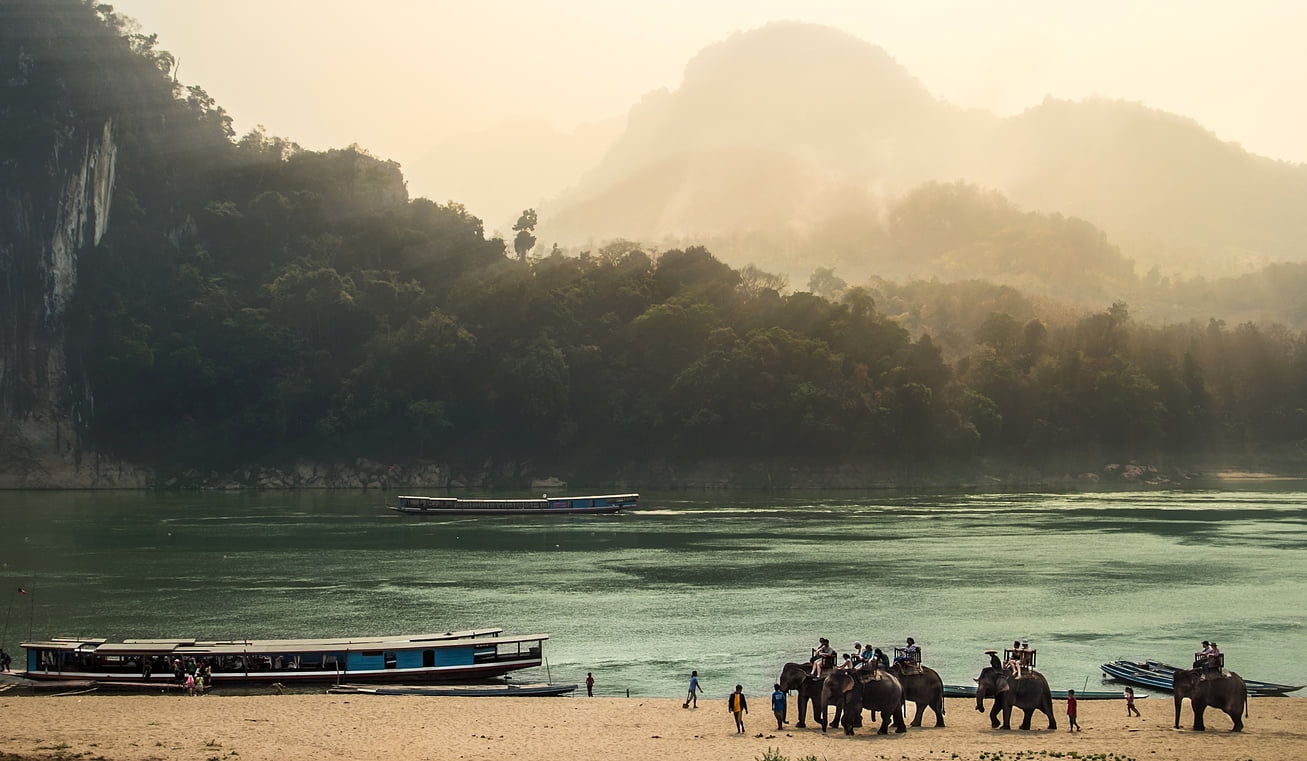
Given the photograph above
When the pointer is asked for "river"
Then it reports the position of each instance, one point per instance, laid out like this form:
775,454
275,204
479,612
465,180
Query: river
732,584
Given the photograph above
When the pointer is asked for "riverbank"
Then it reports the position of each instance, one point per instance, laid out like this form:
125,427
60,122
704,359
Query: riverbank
986,474
407,728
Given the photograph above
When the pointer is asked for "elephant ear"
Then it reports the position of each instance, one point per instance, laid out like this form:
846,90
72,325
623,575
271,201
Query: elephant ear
847,685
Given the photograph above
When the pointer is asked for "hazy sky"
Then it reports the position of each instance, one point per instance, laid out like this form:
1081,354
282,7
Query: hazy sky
397,75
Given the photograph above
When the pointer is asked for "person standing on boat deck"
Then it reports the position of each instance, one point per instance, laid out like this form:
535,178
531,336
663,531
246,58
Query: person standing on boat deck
1130,709
739,706
589,684
692,698
778,706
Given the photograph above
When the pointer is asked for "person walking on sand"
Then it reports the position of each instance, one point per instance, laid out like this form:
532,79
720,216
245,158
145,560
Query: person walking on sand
739,706
1071,710
1130,709
778,706
692,697
589,685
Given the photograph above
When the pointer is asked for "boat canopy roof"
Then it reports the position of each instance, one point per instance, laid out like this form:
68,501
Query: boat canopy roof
484,637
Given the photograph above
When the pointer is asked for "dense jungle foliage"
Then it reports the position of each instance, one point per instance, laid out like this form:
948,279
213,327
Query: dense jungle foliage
253,302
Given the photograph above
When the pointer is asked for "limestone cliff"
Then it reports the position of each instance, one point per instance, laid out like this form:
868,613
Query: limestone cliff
57,164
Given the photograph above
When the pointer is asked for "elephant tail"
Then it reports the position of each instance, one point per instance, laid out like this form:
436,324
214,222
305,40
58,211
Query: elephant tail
1245,701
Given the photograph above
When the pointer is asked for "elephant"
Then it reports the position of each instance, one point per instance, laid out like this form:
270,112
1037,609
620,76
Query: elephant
924,689
797,677
850,693
1029,693
1225,691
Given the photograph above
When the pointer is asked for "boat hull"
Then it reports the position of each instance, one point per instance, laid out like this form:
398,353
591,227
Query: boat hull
1155,675
461,691
420,658
601,504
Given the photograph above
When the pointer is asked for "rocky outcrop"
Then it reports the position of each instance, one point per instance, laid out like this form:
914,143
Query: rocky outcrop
56,185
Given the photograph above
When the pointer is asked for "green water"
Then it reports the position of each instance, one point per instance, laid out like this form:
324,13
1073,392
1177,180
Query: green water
731,584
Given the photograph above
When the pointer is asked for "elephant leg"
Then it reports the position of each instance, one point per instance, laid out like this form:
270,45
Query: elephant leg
1052,719
938,708
993,714
803,711
921,711
884,723
1236,715
1007,716
1026,715
1199,708
899,726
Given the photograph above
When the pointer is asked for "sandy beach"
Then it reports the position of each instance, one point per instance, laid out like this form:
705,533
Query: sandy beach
400,728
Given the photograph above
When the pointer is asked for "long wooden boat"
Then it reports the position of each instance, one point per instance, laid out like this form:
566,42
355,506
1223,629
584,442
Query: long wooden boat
969,691
454,690
545,505
1156,675
451,656
1255,686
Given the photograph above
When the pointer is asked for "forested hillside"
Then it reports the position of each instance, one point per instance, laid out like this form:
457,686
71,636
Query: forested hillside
254,303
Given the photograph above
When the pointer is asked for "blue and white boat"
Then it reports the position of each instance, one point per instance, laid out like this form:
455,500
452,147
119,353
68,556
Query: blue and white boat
1156,675
545,505
451,656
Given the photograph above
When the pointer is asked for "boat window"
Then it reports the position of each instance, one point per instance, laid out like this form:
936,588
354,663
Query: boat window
390,660
428,658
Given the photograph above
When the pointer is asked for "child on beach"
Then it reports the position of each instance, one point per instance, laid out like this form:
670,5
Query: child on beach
693,696
1130,709
1071,710
739,706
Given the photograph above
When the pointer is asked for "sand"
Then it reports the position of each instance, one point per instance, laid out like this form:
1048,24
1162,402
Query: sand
391,727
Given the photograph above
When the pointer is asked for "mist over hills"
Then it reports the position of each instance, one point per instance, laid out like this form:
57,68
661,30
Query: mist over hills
536,158
789,146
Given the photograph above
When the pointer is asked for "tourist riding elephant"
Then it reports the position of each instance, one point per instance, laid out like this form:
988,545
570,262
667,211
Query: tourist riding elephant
1029,693
924,688
797,677
850,693
1224,690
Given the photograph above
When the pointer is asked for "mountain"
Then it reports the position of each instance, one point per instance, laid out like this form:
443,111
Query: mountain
777,133
764,128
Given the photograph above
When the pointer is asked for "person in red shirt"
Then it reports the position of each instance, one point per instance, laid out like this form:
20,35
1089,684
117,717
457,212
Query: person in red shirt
1071,710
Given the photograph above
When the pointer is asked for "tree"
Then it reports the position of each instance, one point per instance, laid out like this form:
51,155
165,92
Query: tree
524,241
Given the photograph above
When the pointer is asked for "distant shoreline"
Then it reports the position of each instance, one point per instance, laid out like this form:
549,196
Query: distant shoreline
778,475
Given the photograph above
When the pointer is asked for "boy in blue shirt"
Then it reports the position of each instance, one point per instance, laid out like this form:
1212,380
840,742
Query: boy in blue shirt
778,706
